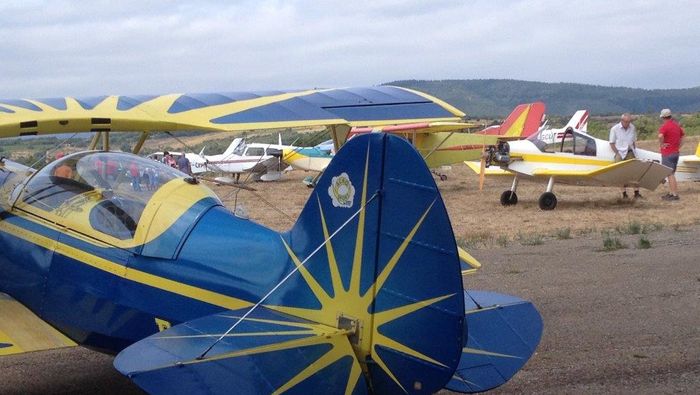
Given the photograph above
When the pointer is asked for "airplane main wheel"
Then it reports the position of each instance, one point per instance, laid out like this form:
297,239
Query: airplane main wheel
509,198
548,201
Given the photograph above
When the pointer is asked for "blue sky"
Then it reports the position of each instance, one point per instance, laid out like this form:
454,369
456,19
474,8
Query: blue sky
62,48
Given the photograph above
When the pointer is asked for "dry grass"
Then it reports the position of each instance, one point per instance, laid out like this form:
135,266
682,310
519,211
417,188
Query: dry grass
479,219
476,215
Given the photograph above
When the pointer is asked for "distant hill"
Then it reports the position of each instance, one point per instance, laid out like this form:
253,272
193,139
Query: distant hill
496,98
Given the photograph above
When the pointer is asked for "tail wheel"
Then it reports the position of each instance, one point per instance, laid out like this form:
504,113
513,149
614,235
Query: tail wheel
509,198
548,201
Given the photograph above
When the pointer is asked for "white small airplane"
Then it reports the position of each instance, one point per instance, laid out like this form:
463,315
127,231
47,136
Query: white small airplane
262,160
571,156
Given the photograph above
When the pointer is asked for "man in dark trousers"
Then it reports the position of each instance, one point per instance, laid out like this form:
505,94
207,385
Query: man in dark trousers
183,164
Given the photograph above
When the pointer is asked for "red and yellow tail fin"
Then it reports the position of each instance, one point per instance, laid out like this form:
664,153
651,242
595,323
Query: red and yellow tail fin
522,122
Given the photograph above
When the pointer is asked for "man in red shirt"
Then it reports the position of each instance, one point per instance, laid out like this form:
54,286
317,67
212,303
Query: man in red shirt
671,138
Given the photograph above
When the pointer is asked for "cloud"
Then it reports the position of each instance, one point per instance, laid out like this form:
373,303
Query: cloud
57,48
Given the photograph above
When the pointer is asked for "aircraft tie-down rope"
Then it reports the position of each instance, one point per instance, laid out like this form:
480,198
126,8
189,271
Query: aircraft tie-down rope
281,282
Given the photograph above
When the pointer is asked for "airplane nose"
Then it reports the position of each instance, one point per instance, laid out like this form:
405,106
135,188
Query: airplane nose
274,152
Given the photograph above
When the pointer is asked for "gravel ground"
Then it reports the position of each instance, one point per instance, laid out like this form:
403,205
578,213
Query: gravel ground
624,321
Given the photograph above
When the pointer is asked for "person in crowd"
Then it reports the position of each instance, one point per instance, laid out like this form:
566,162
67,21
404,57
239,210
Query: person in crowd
183,164
623,141
670,138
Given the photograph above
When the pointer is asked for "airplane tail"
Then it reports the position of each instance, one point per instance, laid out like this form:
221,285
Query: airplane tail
394,255
523,121
377,304
579,121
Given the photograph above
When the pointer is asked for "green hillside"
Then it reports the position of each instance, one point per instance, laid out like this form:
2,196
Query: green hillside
496,98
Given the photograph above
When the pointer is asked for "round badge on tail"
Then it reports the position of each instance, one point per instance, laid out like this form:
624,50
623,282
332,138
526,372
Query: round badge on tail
341,191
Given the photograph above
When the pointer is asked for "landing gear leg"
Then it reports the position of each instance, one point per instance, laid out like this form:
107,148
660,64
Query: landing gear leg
548,200
509,197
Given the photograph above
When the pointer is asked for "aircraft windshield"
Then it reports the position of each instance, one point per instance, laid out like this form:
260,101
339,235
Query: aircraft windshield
113,186
569,141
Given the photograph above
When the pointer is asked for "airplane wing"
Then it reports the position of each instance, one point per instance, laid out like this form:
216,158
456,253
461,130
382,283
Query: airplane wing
489,171
237,111
22,331
418,128
645,174
284,352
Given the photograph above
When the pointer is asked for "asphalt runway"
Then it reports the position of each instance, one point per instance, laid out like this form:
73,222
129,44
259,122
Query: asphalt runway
624,321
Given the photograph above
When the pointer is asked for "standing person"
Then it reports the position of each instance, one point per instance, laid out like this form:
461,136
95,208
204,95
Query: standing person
168,159
623,141
183,164
135,176
671,138
153,178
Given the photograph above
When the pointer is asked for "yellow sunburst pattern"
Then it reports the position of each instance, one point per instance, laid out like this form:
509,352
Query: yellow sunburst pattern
376,303
399,286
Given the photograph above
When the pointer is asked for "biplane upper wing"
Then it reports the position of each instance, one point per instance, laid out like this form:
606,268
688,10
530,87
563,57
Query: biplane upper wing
237,111
22,331
646,174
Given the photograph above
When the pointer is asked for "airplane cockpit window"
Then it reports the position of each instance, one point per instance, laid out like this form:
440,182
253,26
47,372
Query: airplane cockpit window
240,149
106,190
255,151
578,144
569,141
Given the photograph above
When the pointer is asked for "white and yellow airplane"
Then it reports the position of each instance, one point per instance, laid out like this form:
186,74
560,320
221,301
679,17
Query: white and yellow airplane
573,157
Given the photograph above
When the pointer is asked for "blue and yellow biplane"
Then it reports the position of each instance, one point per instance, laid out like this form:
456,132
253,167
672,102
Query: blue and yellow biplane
363,294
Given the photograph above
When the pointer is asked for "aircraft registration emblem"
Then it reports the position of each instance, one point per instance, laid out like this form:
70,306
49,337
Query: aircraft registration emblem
342,191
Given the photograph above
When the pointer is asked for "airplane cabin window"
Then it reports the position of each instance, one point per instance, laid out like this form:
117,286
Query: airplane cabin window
587,145
255,151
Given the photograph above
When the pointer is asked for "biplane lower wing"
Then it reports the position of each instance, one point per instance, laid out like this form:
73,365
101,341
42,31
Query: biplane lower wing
501,334
284,352
645,174
22,331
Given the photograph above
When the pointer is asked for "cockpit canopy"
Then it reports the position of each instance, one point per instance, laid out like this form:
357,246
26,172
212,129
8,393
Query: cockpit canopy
567,141
112,187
